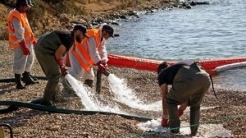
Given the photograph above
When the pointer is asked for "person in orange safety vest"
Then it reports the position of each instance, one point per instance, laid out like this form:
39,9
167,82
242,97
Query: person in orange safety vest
21,40
92,51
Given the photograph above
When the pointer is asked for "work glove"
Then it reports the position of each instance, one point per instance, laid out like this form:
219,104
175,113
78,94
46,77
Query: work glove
105,65
101,66
25,50
181,112
62,66
34,42
164,121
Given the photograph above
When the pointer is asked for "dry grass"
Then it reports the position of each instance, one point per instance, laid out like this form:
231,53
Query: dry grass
45,15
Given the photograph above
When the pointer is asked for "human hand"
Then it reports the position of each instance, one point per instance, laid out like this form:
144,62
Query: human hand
62,66
25,50
164,121
63,69
181,112
101,66
34,43
105,65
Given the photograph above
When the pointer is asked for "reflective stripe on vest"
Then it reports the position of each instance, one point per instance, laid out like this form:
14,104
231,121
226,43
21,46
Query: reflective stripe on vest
96,34
80,51
28,34
82,56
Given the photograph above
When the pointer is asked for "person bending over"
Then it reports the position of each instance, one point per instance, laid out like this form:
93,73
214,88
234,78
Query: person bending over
189,83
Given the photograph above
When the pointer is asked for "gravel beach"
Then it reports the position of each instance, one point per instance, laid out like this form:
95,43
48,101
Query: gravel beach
229,110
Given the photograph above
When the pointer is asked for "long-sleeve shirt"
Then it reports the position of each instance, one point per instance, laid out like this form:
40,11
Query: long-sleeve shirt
96,54
19,30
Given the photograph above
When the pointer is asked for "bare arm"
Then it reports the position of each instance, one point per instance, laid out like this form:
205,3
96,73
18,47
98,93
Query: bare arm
164,91
59,52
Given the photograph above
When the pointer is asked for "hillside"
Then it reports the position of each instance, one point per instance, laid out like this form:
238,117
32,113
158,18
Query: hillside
46,15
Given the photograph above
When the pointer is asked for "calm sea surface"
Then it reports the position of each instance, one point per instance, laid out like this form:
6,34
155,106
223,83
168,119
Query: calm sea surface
210,31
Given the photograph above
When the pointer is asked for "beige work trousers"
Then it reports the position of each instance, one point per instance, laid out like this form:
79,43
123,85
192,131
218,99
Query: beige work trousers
22,62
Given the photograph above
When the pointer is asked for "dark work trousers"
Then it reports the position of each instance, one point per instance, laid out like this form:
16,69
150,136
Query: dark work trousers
190,83
51,70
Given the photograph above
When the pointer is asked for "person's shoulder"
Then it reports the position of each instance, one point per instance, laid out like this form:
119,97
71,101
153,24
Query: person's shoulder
62,31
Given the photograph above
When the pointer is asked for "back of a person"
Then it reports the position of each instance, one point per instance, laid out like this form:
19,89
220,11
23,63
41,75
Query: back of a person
189,85
49,42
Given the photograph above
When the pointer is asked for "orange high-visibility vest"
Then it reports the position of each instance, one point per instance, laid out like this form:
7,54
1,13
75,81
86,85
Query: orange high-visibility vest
96,34
28,34
82,56
80,50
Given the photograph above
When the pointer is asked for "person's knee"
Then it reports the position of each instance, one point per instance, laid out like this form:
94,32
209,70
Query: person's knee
172,101
196,99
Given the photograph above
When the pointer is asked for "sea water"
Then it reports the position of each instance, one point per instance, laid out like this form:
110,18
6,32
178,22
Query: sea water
211,31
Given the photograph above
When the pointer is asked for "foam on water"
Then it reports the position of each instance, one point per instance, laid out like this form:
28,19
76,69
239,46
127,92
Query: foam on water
204,131
127,96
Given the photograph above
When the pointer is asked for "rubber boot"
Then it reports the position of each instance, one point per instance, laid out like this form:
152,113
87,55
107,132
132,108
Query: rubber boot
194,119
174,121
18,82
89,83
28,79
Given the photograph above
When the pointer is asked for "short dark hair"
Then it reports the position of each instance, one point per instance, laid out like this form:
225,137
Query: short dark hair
162,66
80,28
